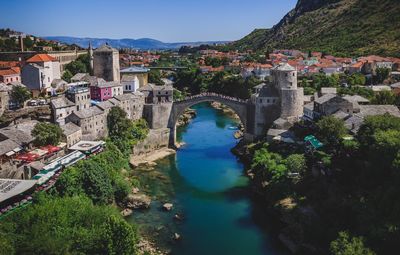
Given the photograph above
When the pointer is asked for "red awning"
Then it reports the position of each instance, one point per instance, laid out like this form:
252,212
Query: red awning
50,148
28,157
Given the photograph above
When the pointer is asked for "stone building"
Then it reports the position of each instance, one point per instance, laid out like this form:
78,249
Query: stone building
277,101
106,63
157,94
4,97
40,72
158,105
72,133
92,121
105,90
331,103
133,78
132,104
61,108
79,94
284,79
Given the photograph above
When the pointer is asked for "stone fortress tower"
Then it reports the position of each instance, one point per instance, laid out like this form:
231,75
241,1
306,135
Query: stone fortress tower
106,63
284,79
278,102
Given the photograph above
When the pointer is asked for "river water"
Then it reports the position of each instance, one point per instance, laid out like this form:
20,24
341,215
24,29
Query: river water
205,182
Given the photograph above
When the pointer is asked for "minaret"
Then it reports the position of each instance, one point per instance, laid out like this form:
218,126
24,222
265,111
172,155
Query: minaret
91,58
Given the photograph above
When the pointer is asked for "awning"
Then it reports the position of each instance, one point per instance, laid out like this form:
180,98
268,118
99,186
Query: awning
10,153
17,149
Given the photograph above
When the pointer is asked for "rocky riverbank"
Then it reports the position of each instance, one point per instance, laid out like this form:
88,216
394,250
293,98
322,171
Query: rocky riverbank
225,109
149,158
186,117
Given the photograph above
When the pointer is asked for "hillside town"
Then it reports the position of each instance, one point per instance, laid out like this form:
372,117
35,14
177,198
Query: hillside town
80,106
38,86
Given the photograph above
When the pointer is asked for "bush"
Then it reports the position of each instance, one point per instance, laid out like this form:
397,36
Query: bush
345,245
70,225
46,134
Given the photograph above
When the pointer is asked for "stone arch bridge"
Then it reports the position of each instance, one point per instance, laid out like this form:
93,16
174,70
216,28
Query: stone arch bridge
243,109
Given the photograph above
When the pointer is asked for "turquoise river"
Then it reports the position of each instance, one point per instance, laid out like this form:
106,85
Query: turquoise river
206,184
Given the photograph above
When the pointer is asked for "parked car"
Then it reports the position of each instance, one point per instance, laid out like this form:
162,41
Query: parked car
33,103
42,102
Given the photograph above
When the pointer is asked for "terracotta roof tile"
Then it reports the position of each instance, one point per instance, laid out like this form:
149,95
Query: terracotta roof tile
41,58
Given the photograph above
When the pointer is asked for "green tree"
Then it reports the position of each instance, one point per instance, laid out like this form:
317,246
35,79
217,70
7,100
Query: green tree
28,43
117,122
384,97
296,163
346,245
80,65
20,94
68,225
331,130
373,124
381,75
118,237
155,77
67,75
97,184
46,134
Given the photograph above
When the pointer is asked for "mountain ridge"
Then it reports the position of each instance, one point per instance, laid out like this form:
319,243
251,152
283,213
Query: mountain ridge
141,43
341,27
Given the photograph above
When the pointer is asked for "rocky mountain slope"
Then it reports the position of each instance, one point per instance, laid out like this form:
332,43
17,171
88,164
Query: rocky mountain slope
341,27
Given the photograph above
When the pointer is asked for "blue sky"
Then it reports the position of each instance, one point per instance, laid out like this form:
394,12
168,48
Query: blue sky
166,20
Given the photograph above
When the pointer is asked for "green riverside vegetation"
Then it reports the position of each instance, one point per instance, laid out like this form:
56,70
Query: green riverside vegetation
79,214
342,198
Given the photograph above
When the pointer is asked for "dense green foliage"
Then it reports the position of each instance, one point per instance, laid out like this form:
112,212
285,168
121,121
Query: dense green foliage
331,130
350,185
79,217
345,245
100,177
71,225
123,132
365,27
47,134
20,94
227,83
155,77
80,65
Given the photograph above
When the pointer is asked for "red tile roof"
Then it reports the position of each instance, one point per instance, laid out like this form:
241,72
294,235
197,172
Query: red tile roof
8,72
8,64
41,58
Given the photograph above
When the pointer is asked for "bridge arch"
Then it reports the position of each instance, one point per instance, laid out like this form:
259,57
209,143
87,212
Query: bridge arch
240,107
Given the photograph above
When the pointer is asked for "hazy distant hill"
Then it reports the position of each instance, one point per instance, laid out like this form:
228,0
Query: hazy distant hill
143,43
345,27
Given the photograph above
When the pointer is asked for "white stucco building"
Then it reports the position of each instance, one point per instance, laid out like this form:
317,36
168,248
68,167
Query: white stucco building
41,70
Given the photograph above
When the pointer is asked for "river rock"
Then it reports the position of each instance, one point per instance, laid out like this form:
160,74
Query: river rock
126,212
138,201
177,236
178,217
238,134
168,206
135,190
150,163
